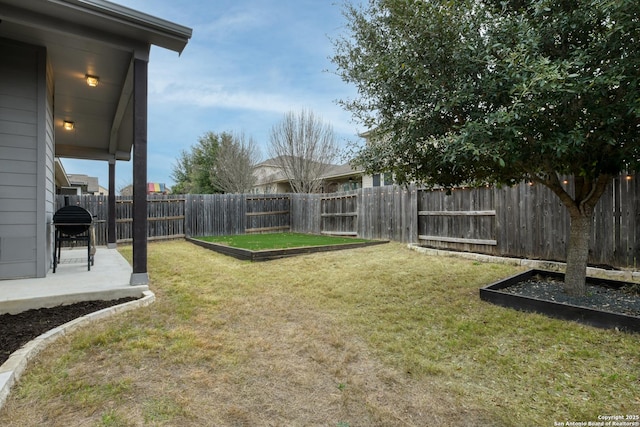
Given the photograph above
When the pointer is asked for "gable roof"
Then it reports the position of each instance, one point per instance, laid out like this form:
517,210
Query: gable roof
270,172
89,183
94,37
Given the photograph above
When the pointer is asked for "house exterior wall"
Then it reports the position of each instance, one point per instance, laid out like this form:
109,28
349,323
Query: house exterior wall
269,180
367,181
377,180
45,258
272,188
25,154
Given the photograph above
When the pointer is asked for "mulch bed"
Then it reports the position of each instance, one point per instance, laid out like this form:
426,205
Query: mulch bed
625,300
18,329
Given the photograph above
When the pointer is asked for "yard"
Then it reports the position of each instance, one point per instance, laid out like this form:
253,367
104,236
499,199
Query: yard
377,336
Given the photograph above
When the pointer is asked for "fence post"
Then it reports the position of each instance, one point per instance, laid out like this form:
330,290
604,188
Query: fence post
412,220
187,214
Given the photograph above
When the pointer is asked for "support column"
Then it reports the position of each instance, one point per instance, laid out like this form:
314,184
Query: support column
111,201
140,275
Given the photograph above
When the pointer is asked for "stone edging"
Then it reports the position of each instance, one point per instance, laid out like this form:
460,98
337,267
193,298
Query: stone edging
12,368
624,275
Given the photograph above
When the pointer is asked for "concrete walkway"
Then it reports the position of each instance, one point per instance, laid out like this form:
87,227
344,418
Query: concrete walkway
108,279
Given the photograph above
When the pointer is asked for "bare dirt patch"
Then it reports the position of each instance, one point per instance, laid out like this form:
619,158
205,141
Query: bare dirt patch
304,361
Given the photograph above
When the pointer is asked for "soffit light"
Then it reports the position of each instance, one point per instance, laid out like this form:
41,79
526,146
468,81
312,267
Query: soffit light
92,80
67,125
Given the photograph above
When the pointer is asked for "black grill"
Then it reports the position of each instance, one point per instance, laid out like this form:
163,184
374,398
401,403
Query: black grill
73,224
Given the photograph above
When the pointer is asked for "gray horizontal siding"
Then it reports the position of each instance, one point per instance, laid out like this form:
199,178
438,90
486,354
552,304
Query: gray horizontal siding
7,193
18,179
16,230
19,205
20,154
15,166
20,129
18,218
19,171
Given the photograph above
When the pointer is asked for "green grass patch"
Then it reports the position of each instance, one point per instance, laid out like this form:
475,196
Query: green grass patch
258,242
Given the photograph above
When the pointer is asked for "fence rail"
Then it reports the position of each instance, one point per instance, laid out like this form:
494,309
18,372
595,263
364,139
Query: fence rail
520,221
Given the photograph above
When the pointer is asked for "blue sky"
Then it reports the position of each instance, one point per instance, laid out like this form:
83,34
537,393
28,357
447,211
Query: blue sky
247,64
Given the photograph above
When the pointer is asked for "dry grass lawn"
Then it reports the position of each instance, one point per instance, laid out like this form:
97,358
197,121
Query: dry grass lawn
379,336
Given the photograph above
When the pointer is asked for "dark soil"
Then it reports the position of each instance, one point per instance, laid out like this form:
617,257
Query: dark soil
18,329
625,300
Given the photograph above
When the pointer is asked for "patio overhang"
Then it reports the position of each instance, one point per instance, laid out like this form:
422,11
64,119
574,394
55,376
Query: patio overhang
105,119
96,38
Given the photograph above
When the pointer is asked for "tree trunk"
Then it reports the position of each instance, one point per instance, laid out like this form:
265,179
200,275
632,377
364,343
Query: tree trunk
578,253
581,209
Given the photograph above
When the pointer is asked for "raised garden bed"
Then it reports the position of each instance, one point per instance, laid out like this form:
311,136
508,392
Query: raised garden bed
614,308
281,252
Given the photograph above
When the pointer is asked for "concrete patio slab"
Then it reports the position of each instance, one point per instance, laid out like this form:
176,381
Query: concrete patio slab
108,279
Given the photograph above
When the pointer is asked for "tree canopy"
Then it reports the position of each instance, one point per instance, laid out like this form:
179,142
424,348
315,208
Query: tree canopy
488,91
192,171
218,163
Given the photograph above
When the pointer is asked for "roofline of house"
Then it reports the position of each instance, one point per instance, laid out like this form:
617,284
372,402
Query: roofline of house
166,34
110,17
60,173
344,174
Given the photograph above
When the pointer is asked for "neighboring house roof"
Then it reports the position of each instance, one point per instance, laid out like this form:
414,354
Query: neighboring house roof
341,171
90,37
269,172
89,184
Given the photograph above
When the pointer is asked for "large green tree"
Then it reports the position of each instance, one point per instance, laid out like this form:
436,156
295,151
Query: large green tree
489,91
192,170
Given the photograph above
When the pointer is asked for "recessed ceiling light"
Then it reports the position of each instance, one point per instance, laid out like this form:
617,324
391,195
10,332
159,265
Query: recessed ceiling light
92,80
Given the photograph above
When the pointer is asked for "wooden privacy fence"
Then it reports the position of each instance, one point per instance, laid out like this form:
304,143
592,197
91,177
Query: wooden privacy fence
462,220
339,214
215,214
529,221
166,216
520,221
266,214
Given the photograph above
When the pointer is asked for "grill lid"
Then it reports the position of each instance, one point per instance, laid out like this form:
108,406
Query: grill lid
72,220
